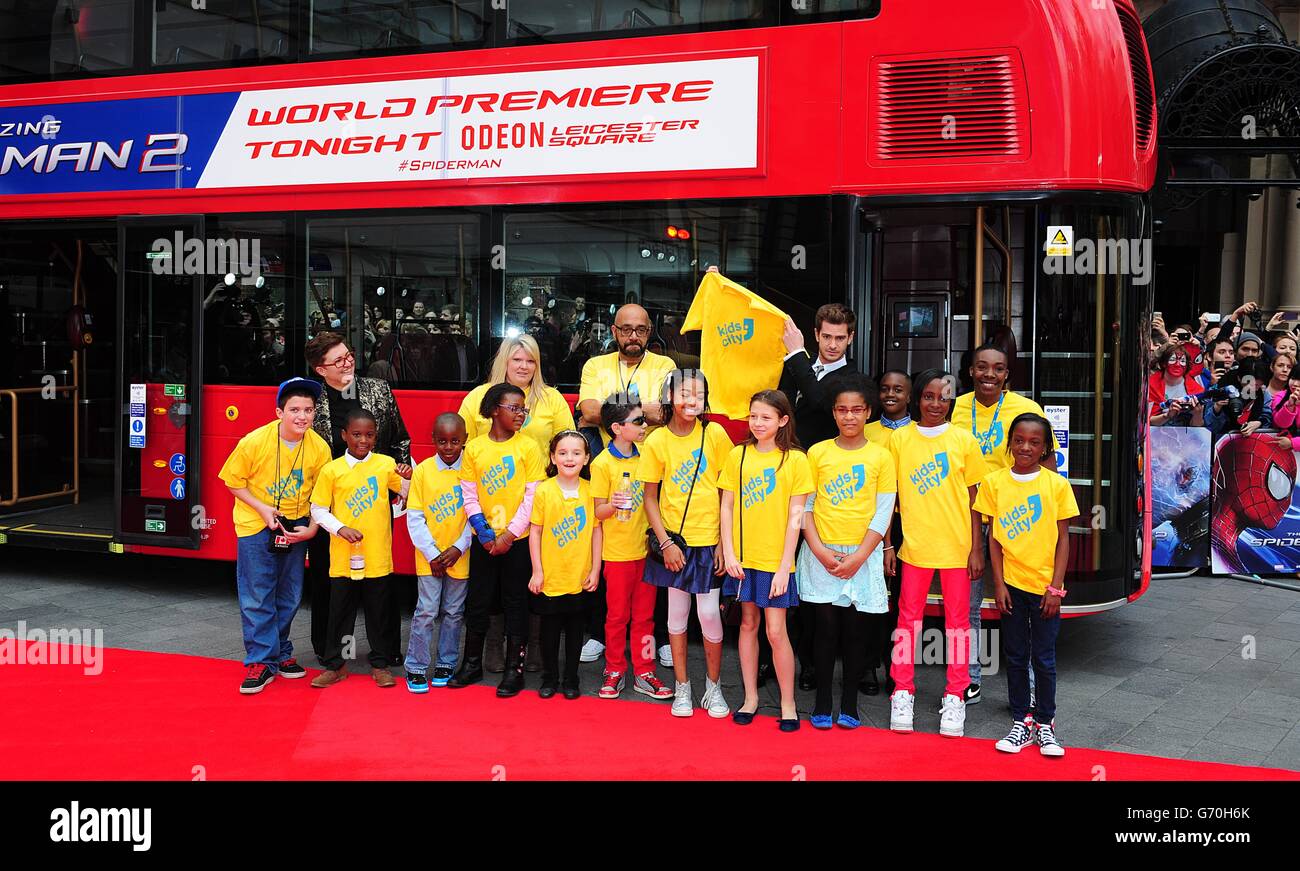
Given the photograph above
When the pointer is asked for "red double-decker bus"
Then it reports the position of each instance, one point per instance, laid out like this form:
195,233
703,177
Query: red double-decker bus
187,196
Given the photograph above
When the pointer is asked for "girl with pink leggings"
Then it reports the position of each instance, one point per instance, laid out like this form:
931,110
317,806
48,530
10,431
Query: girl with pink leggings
939,467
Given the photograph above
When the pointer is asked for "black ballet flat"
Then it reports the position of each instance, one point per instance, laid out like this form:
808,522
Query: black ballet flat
789,725
741,718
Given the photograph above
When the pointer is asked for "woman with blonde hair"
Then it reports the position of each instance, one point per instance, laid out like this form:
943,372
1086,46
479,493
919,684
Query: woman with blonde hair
518,362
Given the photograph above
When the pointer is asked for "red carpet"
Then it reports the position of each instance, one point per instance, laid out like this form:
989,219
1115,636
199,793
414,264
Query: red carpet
152,716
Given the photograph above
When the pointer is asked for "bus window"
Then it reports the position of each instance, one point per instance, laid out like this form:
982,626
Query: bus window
184,33
347,26
245,335
403,289
43,38
566,18
567,272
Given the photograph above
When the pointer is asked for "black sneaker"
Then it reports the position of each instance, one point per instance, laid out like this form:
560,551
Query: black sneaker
972,694
256,679
440,677
416,682
291,669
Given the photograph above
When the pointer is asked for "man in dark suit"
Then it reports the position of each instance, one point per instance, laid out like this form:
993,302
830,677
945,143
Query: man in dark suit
809,383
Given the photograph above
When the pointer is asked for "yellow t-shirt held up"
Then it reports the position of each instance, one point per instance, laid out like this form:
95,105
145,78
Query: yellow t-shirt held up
993,424
847,483
437,493
762,501
359,497
502,471
670,460
567,526
741,351
1023,518
252,464
935,473
624,540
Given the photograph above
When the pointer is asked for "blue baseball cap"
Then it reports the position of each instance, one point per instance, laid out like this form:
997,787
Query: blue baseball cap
313,387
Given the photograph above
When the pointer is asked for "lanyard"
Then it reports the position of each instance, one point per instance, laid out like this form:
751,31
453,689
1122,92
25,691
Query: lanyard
297,458
618,369
988,434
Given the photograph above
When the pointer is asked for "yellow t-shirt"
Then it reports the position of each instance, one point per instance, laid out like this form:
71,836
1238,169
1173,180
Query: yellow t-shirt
567,526
1023,518
934,474
436,492
992,434
763,497
551,415
252,464
358,496
878,434
624,539
741,351
502,471
607,374
847,483
669,460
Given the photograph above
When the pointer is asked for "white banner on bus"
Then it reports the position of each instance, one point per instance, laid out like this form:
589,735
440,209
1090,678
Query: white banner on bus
619,119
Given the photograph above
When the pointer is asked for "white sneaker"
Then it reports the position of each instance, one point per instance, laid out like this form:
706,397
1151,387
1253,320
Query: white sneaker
900,711
592,651
952,720
713,700
1021,734
1048,745
666,655
682,704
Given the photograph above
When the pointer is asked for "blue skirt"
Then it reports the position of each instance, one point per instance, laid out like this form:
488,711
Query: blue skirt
756,588
695,577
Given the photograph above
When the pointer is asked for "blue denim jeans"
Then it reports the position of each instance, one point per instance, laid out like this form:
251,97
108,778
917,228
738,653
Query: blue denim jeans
270,588
442,601
1026,635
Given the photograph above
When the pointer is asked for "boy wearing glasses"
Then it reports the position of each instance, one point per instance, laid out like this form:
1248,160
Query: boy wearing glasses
619,508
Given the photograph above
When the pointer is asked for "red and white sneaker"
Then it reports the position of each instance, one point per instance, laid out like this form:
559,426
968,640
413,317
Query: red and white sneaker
612,685
648,684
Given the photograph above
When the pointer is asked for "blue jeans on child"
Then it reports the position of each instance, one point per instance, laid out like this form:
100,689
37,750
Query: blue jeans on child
269,587
1027,635
442,601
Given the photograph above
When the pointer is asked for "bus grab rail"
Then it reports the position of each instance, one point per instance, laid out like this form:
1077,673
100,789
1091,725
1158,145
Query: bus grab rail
13,394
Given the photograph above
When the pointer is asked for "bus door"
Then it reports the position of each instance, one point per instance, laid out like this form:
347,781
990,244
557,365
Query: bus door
159,341
917,334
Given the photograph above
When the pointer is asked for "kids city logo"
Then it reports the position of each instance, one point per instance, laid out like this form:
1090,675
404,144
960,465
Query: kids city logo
736,332
931,474
638,495
845,485
499,475
990,439
287,487
364,497
568,529
1022,518
757,488
686,471
447,504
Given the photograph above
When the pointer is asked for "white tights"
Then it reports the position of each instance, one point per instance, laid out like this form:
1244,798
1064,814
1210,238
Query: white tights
706,609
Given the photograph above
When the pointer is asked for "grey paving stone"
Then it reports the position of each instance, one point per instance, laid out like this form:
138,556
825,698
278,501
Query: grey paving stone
1280,629
1210,750
1163,738
1125,706
1248,734
1283,683
1233,632
1090,729
1157,682
1270,708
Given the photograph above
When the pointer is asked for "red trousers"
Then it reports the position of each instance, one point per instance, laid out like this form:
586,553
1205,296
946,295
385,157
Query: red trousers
629,599
955,584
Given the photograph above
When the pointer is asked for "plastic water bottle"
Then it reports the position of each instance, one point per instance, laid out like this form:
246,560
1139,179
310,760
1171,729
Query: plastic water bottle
357,562
625,496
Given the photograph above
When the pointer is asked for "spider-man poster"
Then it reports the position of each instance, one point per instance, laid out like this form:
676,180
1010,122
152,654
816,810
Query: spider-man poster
1255,524
1180,496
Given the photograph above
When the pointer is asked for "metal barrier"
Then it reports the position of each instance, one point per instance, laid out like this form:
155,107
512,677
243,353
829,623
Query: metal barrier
16,498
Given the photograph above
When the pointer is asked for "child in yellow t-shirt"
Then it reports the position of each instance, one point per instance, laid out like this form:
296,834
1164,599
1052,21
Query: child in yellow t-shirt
1029,507
435,518
564,543
354,488
629,600
939,467
765,485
